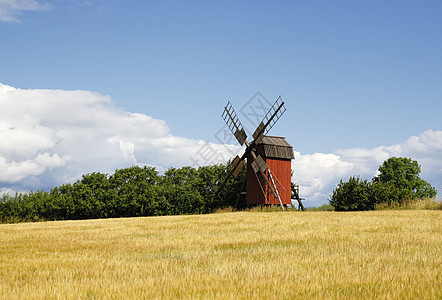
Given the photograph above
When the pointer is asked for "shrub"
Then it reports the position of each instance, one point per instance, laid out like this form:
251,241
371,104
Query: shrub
352,195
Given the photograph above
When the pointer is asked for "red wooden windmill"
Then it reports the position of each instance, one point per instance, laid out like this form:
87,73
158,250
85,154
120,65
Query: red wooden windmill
268,159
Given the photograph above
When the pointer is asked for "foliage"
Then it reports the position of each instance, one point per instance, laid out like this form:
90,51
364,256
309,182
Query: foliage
398,182
403,173
352,195
388,192
134,191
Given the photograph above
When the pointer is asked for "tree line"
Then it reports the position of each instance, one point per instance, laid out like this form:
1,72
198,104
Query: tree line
142,191
129,192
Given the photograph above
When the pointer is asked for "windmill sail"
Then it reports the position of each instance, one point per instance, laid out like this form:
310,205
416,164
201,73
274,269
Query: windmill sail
275,112
232,121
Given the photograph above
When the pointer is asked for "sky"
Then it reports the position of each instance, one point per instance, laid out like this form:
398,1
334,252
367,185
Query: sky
94,86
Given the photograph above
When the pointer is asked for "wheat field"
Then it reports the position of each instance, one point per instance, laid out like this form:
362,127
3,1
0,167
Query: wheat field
284,255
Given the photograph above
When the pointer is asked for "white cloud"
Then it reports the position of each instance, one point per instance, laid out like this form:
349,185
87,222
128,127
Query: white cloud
11,9
52,137
315,173
318,174
15,171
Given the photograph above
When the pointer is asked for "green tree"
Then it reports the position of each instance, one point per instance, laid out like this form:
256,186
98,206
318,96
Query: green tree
352,195
62,203
133,192
403,173
182,190
381,192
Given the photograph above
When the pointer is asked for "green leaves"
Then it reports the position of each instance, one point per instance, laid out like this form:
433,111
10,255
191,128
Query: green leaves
403,173
130,192
352,195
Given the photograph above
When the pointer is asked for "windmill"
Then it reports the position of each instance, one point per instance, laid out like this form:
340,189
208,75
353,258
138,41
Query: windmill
263,154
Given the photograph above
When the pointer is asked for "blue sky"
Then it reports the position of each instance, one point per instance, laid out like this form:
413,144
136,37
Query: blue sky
353,74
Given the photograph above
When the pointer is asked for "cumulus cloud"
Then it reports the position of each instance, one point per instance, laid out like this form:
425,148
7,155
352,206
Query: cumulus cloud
318,174
315,173
10,10
52,137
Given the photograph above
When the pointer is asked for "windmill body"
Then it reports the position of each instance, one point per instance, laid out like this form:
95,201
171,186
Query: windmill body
277,153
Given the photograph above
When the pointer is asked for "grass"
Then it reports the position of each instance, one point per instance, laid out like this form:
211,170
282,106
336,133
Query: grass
284,255
414,204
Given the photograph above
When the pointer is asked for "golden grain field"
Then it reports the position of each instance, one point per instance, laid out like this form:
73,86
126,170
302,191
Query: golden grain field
284,255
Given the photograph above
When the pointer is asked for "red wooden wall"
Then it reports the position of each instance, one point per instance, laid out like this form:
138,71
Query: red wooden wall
281,168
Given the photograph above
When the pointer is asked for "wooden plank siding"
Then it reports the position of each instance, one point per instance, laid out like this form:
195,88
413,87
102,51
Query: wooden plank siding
282,170
280,167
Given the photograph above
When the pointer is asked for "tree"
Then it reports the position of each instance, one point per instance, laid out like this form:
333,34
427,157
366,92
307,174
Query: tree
352,195
381,192
182,189
403,173
134,192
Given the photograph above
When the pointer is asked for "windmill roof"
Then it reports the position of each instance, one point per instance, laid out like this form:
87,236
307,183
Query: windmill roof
277,147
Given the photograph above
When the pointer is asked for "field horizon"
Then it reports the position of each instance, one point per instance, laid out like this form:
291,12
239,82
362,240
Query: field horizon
375,254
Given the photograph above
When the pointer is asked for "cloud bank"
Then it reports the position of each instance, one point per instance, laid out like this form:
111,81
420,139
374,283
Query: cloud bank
52,137
10,10
319,173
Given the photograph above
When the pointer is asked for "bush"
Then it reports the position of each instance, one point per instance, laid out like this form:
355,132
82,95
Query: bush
352,195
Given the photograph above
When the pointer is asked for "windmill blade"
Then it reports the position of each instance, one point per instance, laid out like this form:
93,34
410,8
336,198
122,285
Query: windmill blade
275,112
238,165
259,165
232,121
231,118
273,115
258,135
